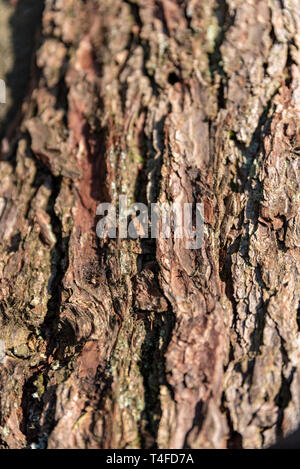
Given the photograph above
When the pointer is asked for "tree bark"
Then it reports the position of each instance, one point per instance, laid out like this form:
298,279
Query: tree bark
125,343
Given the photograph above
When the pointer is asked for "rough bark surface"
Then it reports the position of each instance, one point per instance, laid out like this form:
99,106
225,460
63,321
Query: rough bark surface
142,343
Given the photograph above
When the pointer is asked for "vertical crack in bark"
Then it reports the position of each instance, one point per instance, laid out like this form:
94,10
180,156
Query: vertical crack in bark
145,46
225,21
33,405
24,29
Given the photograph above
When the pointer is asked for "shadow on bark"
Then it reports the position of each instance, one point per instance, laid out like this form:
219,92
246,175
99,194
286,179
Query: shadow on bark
24,25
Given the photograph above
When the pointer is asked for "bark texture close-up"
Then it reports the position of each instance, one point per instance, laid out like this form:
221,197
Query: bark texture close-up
142,343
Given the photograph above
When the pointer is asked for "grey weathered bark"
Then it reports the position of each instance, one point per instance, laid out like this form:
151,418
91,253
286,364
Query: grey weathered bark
124,343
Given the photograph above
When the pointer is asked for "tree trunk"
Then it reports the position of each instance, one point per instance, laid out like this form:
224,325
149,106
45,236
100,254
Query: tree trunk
123,343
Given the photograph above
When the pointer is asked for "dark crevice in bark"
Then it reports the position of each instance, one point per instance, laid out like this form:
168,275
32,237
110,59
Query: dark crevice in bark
25,29
225,21
282,400
160,13
289,63
298,316
173,78
61,92
281,235
59,265
158,325
273,39
226,277
197,422
235,439
251,153
188,16
152,366
154,163
145,46
31,404
256,338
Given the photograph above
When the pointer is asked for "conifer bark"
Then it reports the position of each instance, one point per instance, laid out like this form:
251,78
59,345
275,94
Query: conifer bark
142,343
